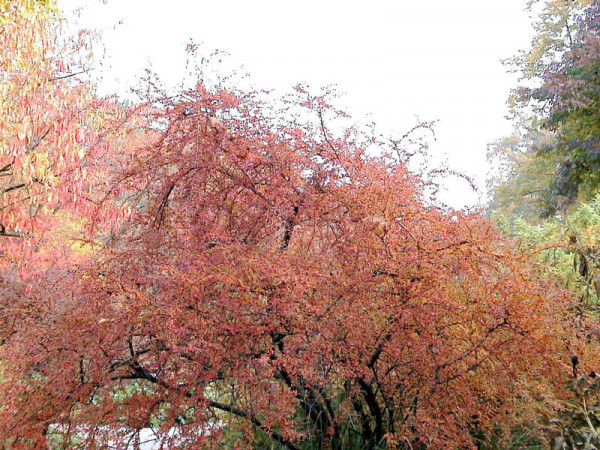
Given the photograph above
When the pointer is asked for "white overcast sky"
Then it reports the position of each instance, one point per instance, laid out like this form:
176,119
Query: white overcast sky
395,60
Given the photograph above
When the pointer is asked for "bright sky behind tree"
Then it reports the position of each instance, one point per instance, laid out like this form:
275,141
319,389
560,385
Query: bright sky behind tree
433,59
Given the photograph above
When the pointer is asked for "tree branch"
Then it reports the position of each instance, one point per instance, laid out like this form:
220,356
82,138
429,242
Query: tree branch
15,187
70,75
245,415
371,400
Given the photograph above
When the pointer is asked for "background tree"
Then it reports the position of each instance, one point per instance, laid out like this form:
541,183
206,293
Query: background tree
51,124
545,193
52,132
519,183
557,102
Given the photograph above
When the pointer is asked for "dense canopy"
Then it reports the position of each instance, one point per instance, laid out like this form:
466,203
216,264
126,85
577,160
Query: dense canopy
228,274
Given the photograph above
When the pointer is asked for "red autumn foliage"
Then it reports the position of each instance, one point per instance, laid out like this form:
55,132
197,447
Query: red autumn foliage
276,280
279,280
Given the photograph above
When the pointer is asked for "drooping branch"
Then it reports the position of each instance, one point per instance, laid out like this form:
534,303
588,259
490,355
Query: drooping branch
252,419
141,373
